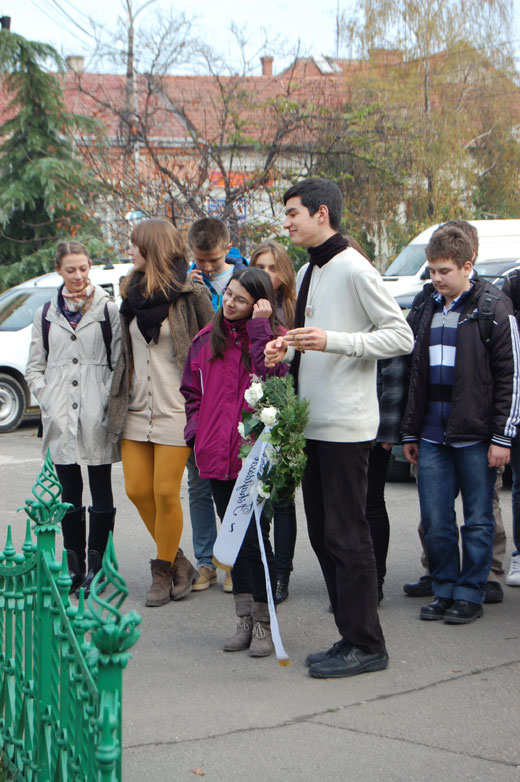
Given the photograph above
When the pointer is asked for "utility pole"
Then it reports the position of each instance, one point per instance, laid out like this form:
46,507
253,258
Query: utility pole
337,29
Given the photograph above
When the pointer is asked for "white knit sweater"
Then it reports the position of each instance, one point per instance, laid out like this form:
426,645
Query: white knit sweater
363,323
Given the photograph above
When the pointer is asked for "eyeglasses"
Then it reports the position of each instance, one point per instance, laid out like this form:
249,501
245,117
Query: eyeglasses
237,299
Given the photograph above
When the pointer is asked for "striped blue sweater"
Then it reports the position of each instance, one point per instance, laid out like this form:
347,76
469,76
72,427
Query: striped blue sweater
442,354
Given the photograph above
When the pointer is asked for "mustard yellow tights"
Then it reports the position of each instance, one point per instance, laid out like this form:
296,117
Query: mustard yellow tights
153,475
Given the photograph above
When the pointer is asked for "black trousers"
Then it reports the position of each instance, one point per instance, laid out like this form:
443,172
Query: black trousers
100,483
248,571
101,512
284,525
376,513
334,495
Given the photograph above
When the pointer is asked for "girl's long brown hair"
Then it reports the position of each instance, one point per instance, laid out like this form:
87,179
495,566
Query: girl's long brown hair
284,272
164,250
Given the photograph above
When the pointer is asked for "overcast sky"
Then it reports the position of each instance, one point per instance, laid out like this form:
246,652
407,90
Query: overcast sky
312,22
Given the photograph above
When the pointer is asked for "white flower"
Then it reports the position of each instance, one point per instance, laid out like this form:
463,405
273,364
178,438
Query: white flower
263,491
272,454
253,394
268,416
241,430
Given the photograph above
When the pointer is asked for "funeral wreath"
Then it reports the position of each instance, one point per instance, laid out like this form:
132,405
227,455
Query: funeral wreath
276,416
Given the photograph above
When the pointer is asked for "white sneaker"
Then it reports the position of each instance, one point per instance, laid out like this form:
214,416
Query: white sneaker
513,577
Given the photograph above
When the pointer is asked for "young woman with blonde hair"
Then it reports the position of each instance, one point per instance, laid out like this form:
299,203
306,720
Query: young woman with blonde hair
162,310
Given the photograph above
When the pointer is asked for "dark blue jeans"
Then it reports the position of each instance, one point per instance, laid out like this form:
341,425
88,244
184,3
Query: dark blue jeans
202,514
442,469
515,494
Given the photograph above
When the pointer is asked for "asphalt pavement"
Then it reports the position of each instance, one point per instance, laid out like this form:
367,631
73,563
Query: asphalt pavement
445,709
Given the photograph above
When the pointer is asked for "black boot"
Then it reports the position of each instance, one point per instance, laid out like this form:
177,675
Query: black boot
101,523
74,538
282,588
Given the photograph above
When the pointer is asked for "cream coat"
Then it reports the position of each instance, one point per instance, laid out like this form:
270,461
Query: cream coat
72,384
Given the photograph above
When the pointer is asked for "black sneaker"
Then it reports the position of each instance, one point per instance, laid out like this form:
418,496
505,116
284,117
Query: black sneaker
282,589
421,588
348,663
317,657
493,592
462,613
436,609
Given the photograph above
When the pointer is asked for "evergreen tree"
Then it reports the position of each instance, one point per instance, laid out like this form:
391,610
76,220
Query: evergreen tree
45,192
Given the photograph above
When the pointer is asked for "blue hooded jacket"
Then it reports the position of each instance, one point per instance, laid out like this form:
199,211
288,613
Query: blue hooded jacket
234,258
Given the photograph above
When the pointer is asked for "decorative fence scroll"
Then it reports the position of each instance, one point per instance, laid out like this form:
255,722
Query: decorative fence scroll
61,665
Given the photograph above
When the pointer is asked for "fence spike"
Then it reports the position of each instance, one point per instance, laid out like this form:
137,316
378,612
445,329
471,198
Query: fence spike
9,550
61,681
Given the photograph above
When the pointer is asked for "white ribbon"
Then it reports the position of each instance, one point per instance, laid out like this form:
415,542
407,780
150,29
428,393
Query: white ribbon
244,502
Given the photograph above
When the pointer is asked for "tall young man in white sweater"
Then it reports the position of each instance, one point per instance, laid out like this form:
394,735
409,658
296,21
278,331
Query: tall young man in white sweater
345,321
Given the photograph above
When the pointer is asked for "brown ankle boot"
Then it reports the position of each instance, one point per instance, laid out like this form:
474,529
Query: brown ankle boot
242,637
184,574
162,576
262,643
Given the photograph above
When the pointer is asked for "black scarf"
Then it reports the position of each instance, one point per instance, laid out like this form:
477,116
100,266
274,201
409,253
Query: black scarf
150,311
318,256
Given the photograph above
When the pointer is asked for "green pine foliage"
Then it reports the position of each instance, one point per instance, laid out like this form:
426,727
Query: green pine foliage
45,193
285,467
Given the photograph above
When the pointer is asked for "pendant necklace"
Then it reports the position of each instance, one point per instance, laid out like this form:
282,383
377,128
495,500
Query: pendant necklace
309,309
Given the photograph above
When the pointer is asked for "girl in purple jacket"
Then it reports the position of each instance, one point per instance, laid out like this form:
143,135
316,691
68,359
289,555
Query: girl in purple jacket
220,361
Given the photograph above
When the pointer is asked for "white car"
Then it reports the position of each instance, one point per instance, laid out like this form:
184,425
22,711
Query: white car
17,308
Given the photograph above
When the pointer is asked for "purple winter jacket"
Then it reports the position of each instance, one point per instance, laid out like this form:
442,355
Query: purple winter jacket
214,394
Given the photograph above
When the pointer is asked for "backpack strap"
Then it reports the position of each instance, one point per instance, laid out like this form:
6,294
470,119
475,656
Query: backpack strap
484,314
106,330
45,328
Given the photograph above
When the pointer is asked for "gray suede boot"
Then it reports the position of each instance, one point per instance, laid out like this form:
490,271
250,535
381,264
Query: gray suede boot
262,643
242,637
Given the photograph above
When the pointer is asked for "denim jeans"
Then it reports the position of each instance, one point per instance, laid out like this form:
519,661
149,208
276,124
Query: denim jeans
441,469
202,513
515,493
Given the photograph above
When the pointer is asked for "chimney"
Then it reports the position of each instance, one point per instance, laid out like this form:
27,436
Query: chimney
5,21
76,64
267,66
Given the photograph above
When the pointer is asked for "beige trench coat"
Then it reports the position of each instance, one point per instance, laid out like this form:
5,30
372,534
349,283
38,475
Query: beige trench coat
72,383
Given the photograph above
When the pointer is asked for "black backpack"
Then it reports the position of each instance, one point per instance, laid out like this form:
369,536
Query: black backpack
106,330
484,314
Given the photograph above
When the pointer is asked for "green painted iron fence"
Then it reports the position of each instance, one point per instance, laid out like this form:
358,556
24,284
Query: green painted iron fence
61,664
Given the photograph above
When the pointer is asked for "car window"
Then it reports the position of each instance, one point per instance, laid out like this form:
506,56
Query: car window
17,307
408,262
108,287
495,266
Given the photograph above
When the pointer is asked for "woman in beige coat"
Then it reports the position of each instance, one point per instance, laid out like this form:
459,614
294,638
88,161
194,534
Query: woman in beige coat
75,342
162,310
